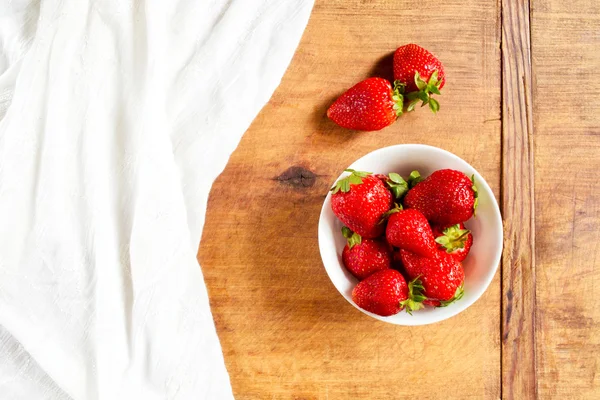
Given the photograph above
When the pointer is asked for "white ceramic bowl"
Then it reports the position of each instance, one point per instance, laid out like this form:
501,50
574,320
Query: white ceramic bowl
483,260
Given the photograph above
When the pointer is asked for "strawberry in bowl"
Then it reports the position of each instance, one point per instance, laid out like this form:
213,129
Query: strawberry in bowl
436,244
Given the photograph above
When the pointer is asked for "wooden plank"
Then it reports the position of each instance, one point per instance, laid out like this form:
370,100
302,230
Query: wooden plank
566,39
286,332
518,264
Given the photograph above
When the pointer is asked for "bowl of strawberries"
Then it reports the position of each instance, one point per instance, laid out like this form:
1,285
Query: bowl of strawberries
410,234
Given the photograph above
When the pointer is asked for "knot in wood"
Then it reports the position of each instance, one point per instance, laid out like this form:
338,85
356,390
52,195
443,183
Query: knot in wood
297,177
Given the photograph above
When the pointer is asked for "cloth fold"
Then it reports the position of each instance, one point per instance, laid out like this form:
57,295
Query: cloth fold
117,116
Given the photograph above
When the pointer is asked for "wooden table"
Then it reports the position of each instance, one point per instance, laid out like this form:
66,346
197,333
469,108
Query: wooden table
521,105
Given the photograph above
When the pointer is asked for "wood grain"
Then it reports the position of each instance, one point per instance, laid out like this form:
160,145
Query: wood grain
286,332
565,43
518,262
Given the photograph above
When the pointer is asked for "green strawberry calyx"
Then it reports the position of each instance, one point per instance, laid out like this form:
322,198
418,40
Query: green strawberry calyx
415,298
453,238
398,97
475,194
460,292
352,237
397,185
414,178
426,89
355,178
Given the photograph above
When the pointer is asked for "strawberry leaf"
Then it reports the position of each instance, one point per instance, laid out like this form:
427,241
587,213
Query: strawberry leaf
414,178
386,215
423,96
362,174
460,292
412,95
475,194
433,89
411,105
353,237
453,238
399,86
396,178
433,79
434,105
398,97
397,185
355,178
415,298
426,89
421,84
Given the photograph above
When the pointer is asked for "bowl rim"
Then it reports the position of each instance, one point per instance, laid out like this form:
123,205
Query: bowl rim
481,185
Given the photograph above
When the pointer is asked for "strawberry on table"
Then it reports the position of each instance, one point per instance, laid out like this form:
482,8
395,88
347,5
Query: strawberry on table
421,72
363,257
446,197
387,293
360,200
409,230
454,240
369,105
442,276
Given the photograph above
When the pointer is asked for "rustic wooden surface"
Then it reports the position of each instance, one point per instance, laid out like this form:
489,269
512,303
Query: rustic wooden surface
566,43
518,261
286,332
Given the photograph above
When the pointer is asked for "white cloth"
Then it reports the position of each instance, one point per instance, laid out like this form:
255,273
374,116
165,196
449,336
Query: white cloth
117,116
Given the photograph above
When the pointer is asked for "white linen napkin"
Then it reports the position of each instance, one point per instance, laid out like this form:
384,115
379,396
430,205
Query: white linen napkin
117,116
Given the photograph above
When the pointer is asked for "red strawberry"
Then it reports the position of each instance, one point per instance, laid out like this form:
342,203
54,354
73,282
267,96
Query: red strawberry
409,230
360,200
386,293
454,240
369,105
442,276
421,72
446,197
364,257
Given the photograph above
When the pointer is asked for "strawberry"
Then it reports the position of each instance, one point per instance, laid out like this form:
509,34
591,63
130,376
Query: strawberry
386,293
442,276
421,72
364,257
369,105
454,240
446,197
409,230
360,200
